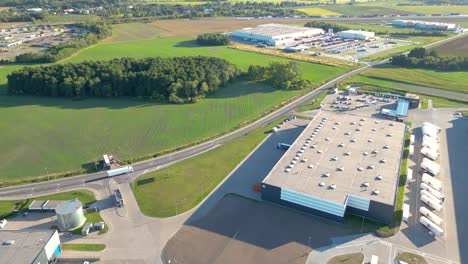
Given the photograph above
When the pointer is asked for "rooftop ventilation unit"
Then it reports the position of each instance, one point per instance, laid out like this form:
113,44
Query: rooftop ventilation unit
375,151
352,123
290,166
8,242
359,168
319,151
340,168
353,140
296,158
287,170
358,129
389,134
379,177
392,124
293,162
334,158
374,129
370,140
301,151
333,187
361,124
306,144
362,119
376,121
371,167
326,175
347,133
383,161
321,184
313,146
304,160
334,128
327,139
325,118
386,147
341,145
314,133
347,153
366,184
310,166
303,148
375,192
308,141
365,153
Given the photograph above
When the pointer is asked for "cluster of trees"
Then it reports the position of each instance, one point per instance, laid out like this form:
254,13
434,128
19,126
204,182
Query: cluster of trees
213,39
421,58
95,32
281,75
10,15
325,26
177,80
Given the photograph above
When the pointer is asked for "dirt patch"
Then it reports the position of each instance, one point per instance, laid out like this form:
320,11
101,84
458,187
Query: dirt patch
239,230
457,47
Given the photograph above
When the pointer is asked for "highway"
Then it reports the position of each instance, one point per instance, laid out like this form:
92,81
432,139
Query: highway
79,181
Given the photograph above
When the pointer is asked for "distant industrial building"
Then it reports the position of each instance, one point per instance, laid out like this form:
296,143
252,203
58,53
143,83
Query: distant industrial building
11,44
340,164
275,34
355,34
44,205
29,246
425,25
401,110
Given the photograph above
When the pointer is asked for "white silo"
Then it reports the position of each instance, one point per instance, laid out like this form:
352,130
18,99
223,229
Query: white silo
70,215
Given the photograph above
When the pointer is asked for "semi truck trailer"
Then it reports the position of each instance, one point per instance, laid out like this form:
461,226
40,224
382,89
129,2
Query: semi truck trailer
119,171
437,230
431,216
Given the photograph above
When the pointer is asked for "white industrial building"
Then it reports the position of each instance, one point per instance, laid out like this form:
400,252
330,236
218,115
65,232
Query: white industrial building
425,25
355,34
340,164
11,44
29,246
275,34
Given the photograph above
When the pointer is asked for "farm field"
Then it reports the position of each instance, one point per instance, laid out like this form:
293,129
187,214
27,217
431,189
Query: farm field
359,10
458,47
454,81
317,11
429,10
132,31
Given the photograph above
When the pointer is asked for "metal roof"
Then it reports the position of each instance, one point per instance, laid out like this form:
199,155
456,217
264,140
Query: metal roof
402,108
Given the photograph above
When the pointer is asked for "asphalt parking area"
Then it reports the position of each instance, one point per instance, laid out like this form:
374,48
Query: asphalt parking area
241,230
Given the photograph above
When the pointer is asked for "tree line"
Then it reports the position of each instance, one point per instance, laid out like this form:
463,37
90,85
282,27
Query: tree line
177,80
325,26
174,80
213,39
421,58
95,32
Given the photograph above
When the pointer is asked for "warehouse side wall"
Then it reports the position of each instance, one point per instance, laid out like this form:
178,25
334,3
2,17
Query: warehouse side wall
273,194
377,211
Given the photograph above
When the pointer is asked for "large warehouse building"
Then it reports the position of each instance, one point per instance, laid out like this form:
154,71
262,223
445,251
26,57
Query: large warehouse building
425,25
355,34
340,164
274,34
29,246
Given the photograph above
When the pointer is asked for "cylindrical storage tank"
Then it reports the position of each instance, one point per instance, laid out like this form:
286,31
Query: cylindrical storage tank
431,216
434,204
70,215
431,181
432,226
432,191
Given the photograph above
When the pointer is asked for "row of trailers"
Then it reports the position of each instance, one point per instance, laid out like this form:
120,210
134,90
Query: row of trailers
430,187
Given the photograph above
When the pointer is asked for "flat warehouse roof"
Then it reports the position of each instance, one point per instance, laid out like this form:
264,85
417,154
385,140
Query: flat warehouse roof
28,243
346,151
402,108
276,30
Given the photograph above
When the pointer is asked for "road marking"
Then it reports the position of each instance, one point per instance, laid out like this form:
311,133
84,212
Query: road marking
145,171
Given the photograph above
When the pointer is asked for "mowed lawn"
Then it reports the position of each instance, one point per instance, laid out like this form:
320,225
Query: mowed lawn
455,81
40,135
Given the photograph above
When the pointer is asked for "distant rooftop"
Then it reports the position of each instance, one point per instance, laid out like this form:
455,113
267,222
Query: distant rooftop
28,243
340,154
273,30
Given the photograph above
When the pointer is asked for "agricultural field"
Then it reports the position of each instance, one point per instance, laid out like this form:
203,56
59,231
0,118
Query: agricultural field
458,47
317,11
132,31
429,10
454,81
359,10
163,2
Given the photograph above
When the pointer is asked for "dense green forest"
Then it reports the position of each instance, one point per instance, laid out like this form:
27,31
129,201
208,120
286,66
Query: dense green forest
281,75
213,39
61,51
421,58
178,80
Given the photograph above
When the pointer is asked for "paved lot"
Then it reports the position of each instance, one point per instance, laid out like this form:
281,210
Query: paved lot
240,230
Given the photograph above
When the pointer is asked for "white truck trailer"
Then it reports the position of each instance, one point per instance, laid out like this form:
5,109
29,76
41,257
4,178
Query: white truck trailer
430,153
412,138
411,150
119,171
427,124
431,216
432,203
405,212
433,198
430,139
431,181
431,145
432,191
429,132
437,230
430,166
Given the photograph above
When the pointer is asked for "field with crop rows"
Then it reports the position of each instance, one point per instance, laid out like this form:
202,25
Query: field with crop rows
317,11
458,47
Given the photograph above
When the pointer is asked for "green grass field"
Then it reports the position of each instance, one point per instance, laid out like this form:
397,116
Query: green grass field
54,135
428,10
455,81
180,187
317,11
359,10
84,247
